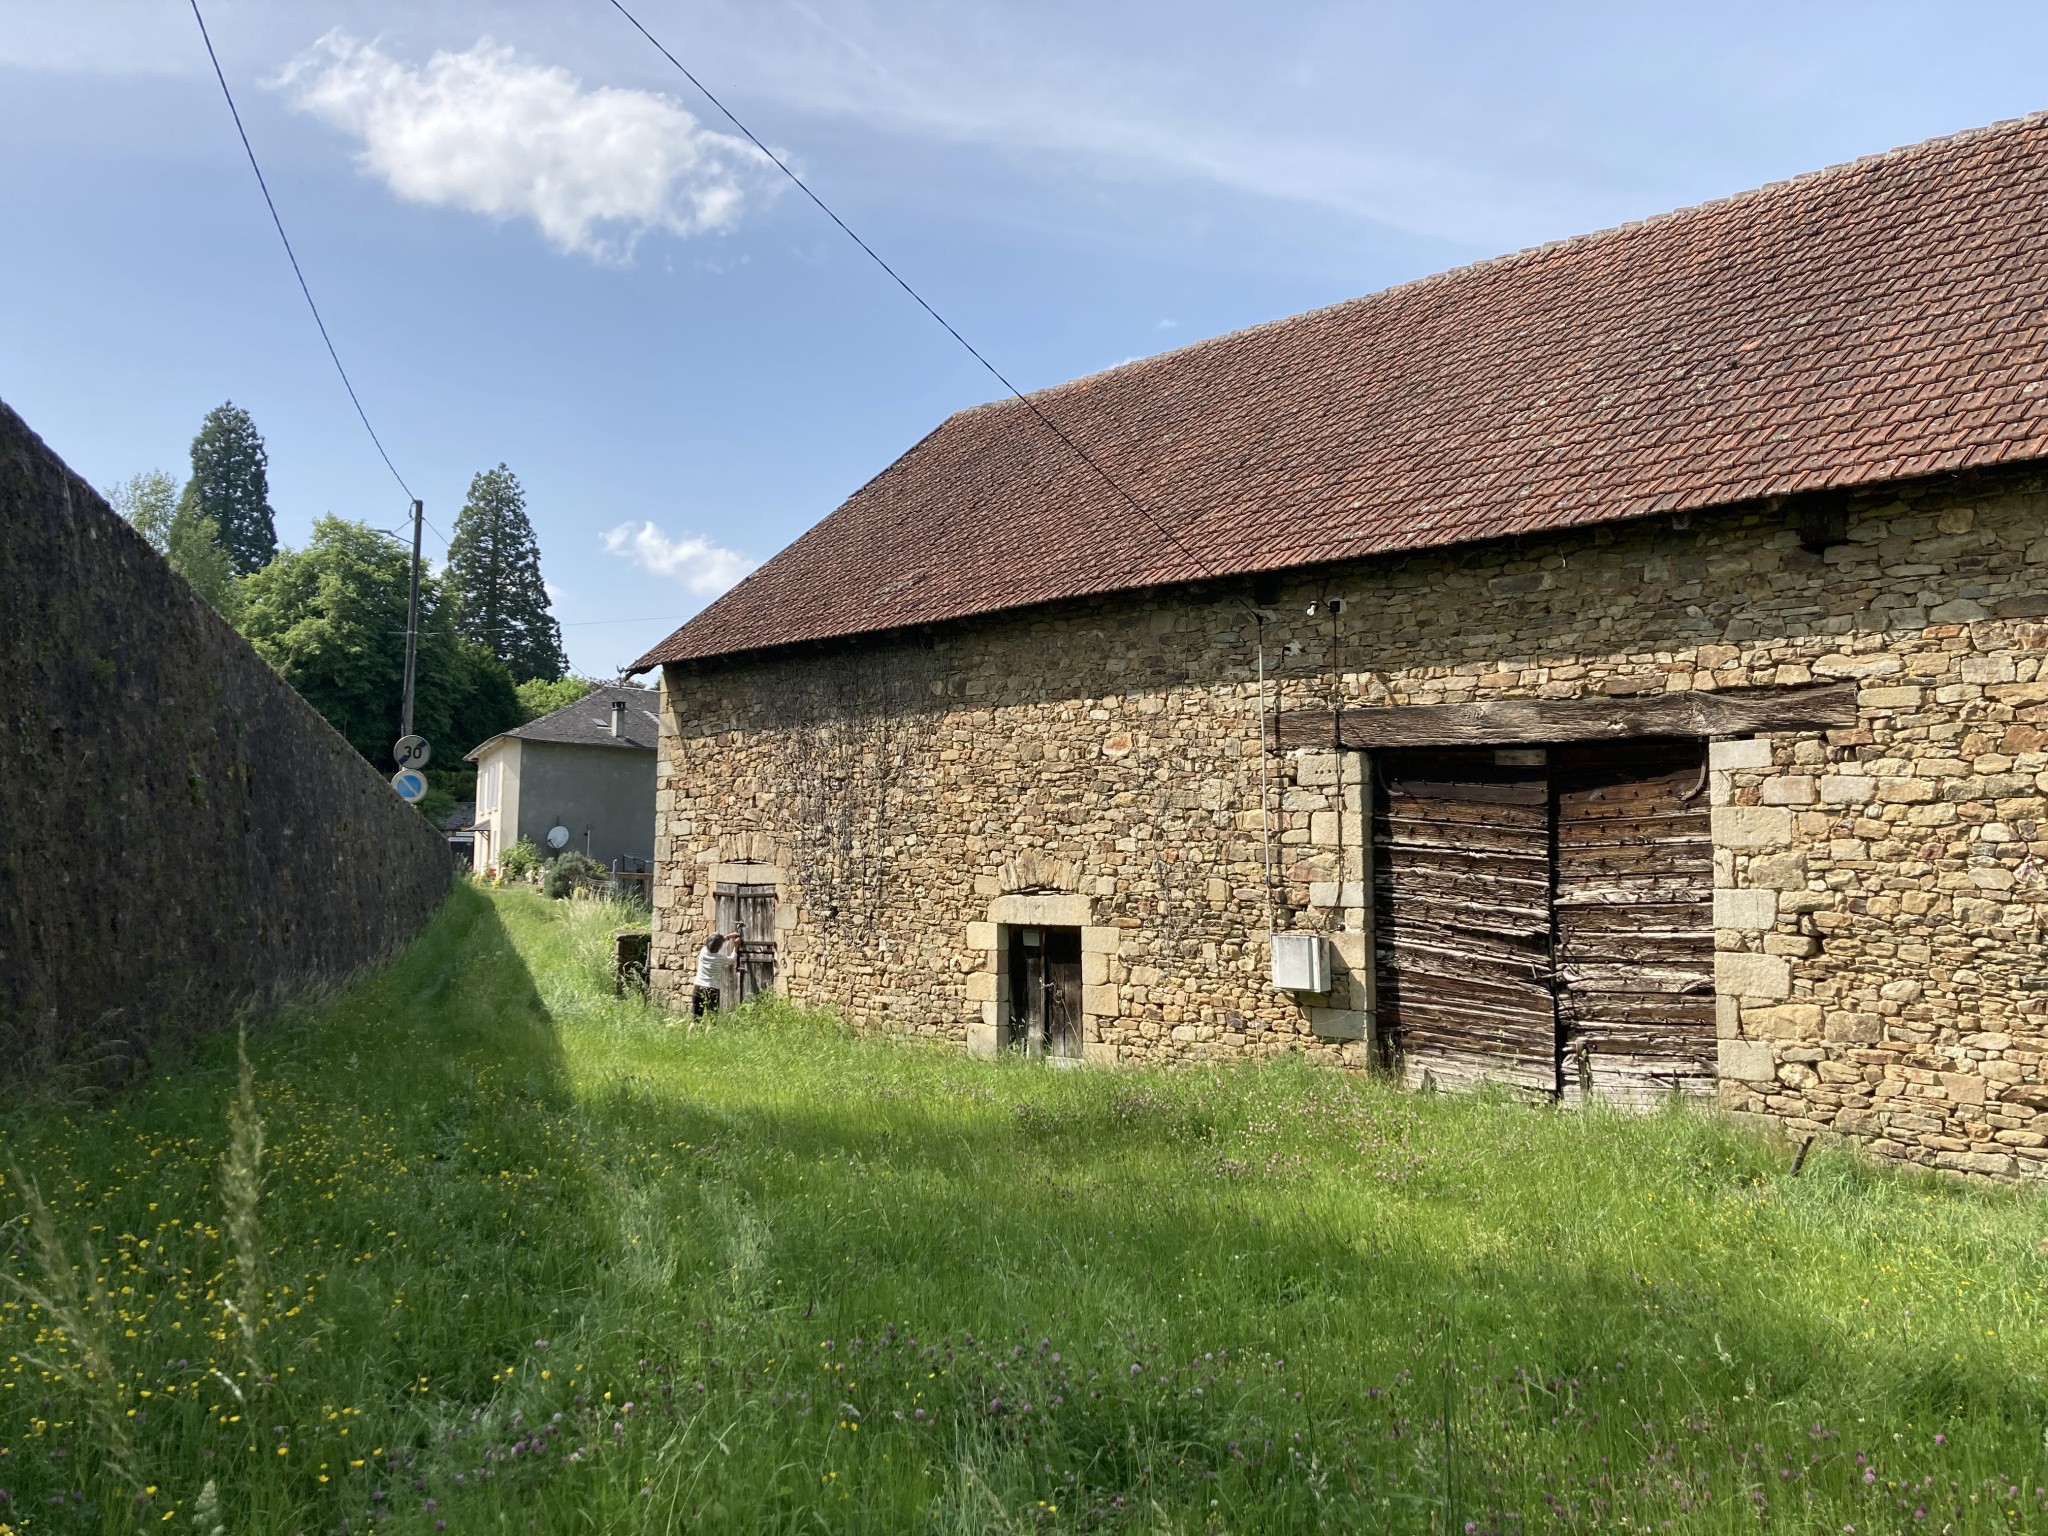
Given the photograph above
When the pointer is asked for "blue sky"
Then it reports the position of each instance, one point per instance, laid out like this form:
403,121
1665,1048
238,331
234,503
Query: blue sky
534,243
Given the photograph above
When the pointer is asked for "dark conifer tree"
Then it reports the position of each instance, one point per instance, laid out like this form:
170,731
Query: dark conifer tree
494,575
230,486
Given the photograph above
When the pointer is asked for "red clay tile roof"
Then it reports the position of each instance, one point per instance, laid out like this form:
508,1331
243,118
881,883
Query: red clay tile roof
1880,320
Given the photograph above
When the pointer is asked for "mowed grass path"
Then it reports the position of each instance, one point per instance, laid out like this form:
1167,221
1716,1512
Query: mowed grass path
542,1260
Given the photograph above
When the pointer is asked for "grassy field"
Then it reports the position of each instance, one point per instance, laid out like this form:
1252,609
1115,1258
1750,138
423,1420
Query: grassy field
528,1258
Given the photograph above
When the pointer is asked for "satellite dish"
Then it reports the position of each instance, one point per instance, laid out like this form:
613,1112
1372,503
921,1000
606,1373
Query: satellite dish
558,837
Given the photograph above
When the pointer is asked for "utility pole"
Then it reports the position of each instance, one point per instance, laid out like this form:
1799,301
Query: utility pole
412,623
409,752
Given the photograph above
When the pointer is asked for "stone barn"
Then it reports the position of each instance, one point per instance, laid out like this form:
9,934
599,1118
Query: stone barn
1612,670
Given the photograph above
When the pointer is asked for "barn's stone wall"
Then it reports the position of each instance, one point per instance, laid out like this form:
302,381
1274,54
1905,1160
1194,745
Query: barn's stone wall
1879,889
180,832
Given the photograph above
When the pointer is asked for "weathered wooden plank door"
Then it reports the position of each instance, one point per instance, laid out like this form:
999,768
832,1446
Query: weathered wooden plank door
1045,991
1063,993
1635,920
1462,899
1024,1028
749,910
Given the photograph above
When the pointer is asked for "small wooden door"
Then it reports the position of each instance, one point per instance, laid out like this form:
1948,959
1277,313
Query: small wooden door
1462,898
749,910
1635,920
1063,993
1045,991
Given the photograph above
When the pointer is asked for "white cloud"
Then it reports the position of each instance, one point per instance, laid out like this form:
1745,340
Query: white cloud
702,567
483,131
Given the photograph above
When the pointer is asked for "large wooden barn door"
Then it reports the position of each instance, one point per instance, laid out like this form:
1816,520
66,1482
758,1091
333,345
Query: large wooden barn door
1462,898
1544,919
1635,920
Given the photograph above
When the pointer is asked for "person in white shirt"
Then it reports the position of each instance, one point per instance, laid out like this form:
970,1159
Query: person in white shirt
714,974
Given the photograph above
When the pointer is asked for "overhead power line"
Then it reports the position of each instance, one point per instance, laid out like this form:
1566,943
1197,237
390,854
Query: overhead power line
994,372
292,255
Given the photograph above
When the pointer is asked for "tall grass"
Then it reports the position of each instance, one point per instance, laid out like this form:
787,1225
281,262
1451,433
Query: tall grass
516,1254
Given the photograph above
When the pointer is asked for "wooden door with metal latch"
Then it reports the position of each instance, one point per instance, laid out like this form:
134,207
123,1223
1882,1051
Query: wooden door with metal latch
749,911
1044,970
1063,993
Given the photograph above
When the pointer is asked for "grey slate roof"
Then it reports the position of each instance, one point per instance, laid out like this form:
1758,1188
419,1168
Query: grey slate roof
588,722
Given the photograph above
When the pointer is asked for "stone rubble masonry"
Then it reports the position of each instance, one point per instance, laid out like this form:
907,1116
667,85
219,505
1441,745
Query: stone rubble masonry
180,833
1879,888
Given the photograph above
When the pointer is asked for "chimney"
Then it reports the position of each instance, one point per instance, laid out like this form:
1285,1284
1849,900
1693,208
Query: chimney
618,717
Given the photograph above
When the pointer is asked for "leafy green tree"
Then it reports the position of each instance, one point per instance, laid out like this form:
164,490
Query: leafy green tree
331,618
494,570
538,696
230,485
149,502
176,531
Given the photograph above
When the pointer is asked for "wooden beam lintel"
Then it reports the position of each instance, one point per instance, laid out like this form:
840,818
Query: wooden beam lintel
1542,722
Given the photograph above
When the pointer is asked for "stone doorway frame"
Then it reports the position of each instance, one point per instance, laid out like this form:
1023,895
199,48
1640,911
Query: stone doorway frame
1040,892
1762,903
1760,897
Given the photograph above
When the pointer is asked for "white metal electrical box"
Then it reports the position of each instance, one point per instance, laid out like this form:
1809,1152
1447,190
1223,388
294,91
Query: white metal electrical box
1301,962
